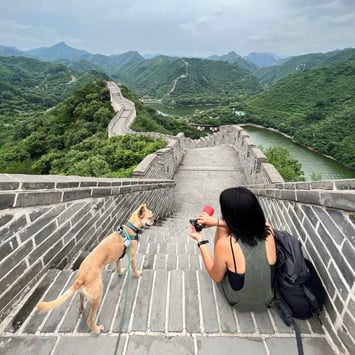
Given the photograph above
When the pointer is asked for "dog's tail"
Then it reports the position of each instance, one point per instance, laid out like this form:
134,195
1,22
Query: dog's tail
46,306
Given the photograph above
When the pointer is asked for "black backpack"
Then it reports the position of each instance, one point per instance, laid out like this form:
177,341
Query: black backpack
298,290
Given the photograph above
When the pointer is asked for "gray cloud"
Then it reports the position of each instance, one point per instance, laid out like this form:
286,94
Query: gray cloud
180,27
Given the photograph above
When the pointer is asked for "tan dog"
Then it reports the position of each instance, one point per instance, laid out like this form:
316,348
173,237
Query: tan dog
110,249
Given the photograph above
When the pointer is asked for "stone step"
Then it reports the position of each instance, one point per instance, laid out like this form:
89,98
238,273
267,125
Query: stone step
168,302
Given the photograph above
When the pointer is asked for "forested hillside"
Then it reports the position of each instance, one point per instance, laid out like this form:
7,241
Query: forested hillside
316,107
270,75
209,82
185,81
29,84
72,139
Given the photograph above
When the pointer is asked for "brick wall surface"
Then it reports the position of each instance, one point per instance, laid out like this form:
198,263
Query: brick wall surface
321,215
46,221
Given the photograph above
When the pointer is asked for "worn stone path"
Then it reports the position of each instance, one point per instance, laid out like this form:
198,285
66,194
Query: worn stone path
174,308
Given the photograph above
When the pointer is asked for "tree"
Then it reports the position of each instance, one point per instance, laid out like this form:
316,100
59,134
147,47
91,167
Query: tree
289,167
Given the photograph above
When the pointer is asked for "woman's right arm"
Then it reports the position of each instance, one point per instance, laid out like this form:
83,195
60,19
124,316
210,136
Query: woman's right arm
209,221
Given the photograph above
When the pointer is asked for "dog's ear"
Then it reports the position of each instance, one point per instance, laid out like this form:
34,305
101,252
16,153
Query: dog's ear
141,211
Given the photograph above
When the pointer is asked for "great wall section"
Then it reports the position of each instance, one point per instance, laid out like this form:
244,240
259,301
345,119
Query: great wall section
49,223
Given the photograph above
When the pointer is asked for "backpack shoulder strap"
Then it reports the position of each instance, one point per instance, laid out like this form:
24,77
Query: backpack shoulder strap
298,338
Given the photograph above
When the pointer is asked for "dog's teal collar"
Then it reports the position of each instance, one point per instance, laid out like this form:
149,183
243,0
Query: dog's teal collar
131,226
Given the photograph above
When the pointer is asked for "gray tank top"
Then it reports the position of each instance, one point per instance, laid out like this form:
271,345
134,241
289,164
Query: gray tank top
256,294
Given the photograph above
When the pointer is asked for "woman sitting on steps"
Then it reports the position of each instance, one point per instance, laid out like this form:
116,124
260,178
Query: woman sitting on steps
244,250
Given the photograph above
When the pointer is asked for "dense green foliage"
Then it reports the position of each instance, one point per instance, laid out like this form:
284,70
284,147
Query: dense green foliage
316,107
148,120
270,75
99,156
211,82
288,167
72,139
28,84
185,81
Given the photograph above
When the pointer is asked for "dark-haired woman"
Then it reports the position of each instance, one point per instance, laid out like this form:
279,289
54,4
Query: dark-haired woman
244,250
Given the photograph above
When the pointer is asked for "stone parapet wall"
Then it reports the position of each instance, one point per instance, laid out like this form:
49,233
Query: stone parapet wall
164,163
46,221
322,215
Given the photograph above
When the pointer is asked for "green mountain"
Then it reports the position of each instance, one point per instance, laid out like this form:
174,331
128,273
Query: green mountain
270,75
235,58
113,63
175,81
57,52
262,60
185,81
6,51
316,107
29,84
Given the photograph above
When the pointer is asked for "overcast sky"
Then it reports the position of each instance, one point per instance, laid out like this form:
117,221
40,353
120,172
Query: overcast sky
196,28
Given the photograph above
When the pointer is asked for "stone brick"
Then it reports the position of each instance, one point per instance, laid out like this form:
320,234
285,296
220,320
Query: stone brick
44,233
37,185
27,345
281,346
7,200
319,241
140,319
67,184
70,211
348,251
345,225
175,302
7,247
11,292
13,227
5,219
71,195
289,195
42,247
63,255
25,199
101,192
347,339
209,311
125,189
322,185
15,257
341,287
38,212
143,344
308,211
40,223
337,256
329,225
344,200
12,276
8,183
347,184
310,197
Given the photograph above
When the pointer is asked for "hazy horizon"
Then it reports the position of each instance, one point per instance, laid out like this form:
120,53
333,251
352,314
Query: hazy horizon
197,28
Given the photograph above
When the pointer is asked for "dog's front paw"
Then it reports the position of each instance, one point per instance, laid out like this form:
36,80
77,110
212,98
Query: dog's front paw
98,328
121,271
137,274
